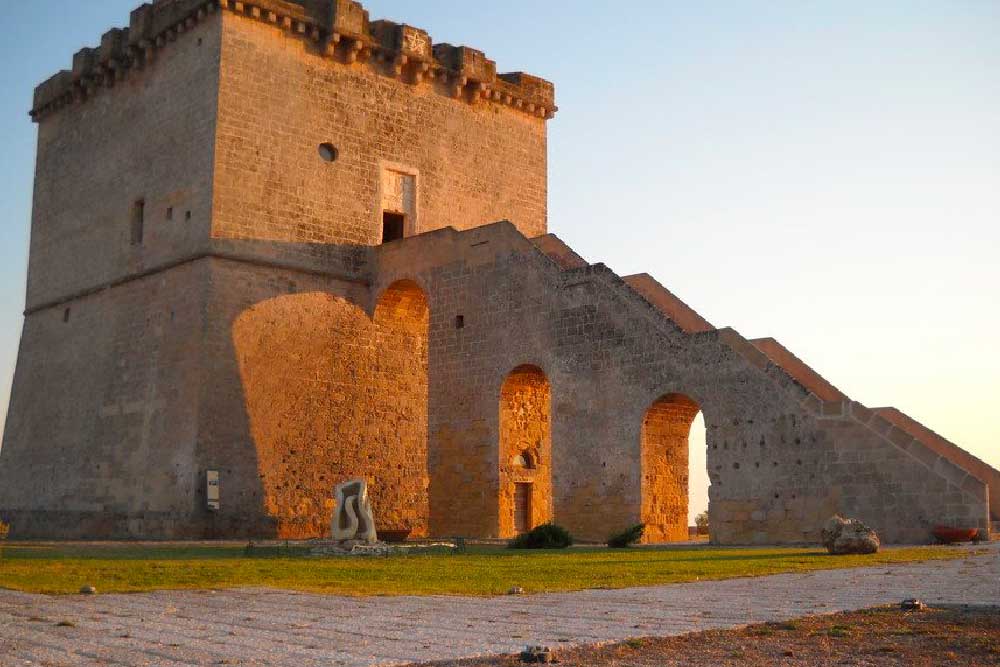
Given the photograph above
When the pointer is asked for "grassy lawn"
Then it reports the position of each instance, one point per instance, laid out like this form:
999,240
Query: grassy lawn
122,568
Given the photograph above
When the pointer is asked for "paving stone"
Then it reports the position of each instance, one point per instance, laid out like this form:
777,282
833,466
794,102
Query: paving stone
270,627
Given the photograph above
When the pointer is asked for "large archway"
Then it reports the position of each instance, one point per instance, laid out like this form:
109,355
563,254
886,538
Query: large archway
525,451
666,435
332,394
398,407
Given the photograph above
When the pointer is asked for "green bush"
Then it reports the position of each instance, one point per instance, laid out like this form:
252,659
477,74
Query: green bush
627,538
546,536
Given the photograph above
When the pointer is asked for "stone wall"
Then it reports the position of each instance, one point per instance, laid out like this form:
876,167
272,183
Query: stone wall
280,98
102,429
102,424
210,115
780,460
950,451
306,389
148,137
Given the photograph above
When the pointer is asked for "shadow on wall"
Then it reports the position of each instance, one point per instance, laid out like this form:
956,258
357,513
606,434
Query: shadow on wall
330,394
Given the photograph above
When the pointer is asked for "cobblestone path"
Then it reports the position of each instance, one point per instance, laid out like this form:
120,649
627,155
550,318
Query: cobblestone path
269,627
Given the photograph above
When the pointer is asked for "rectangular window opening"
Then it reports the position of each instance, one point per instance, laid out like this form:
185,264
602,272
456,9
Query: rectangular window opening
460,321
170,214
393,226
66,315
138,221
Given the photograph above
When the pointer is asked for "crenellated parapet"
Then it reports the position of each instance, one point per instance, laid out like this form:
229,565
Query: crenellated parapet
336,29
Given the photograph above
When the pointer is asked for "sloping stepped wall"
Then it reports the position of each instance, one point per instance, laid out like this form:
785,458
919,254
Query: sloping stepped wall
798,370
870,469
832,404
667,303
951,451
781,459
560,253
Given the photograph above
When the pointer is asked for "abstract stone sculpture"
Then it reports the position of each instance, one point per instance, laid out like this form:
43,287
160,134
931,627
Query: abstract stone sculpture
353,519
849,536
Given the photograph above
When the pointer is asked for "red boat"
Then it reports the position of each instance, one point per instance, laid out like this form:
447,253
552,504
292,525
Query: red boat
946,535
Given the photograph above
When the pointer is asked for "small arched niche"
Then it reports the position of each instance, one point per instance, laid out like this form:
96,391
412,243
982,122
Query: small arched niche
525,451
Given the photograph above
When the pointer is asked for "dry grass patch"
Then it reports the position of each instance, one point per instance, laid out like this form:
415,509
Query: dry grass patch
875,638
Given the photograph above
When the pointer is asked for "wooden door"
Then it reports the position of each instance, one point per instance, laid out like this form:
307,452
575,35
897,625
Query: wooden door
522,508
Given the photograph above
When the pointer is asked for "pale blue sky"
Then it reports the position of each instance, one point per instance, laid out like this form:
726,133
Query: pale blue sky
827,173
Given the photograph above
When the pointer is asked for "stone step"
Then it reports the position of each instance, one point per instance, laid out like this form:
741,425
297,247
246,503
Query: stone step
799,370
559,252
667,303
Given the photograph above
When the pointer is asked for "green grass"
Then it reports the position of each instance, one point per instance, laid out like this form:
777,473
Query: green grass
122,568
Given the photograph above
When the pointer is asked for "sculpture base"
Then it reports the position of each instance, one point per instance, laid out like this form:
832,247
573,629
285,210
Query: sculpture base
347,548
360,548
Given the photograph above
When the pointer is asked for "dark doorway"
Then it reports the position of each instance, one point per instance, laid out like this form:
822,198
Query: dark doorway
522,508
393,226
138,221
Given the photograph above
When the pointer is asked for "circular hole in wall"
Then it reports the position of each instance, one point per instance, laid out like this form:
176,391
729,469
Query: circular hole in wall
328,152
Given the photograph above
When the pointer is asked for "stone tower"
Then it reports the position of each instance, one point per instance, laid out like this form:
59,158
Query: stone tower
212,156
276,246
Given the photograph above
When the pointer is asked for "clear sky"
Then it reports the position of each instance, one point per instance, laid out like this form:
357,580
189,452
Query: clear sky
826,173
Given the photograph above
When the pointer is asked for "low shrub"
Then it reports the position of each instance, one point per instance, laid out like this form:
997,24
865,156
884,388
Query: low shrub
701,521
627,538
546,536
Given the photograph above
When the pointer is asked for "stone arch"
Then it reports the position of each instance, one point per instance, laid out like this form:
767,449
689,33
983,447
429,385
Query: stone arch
399,404
666,430
403,307
332,394
525,439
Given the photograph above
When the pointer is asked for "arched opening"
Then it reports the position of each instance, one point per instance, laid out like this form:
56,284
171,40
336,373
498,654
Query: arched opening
402,307
525,451
666,443
698,479
302,368
399,407
332,394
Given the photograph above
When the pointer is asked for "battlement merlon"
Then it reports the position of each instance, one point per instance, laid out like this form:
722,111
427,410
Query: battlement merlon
339,29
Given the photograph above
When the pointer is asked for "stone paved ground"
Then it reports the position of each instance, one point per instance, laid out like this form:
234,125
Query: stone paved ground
265,627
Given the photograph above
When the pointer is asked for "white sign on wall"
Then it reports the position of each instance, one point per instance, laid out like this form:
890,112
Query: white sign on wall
212,490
